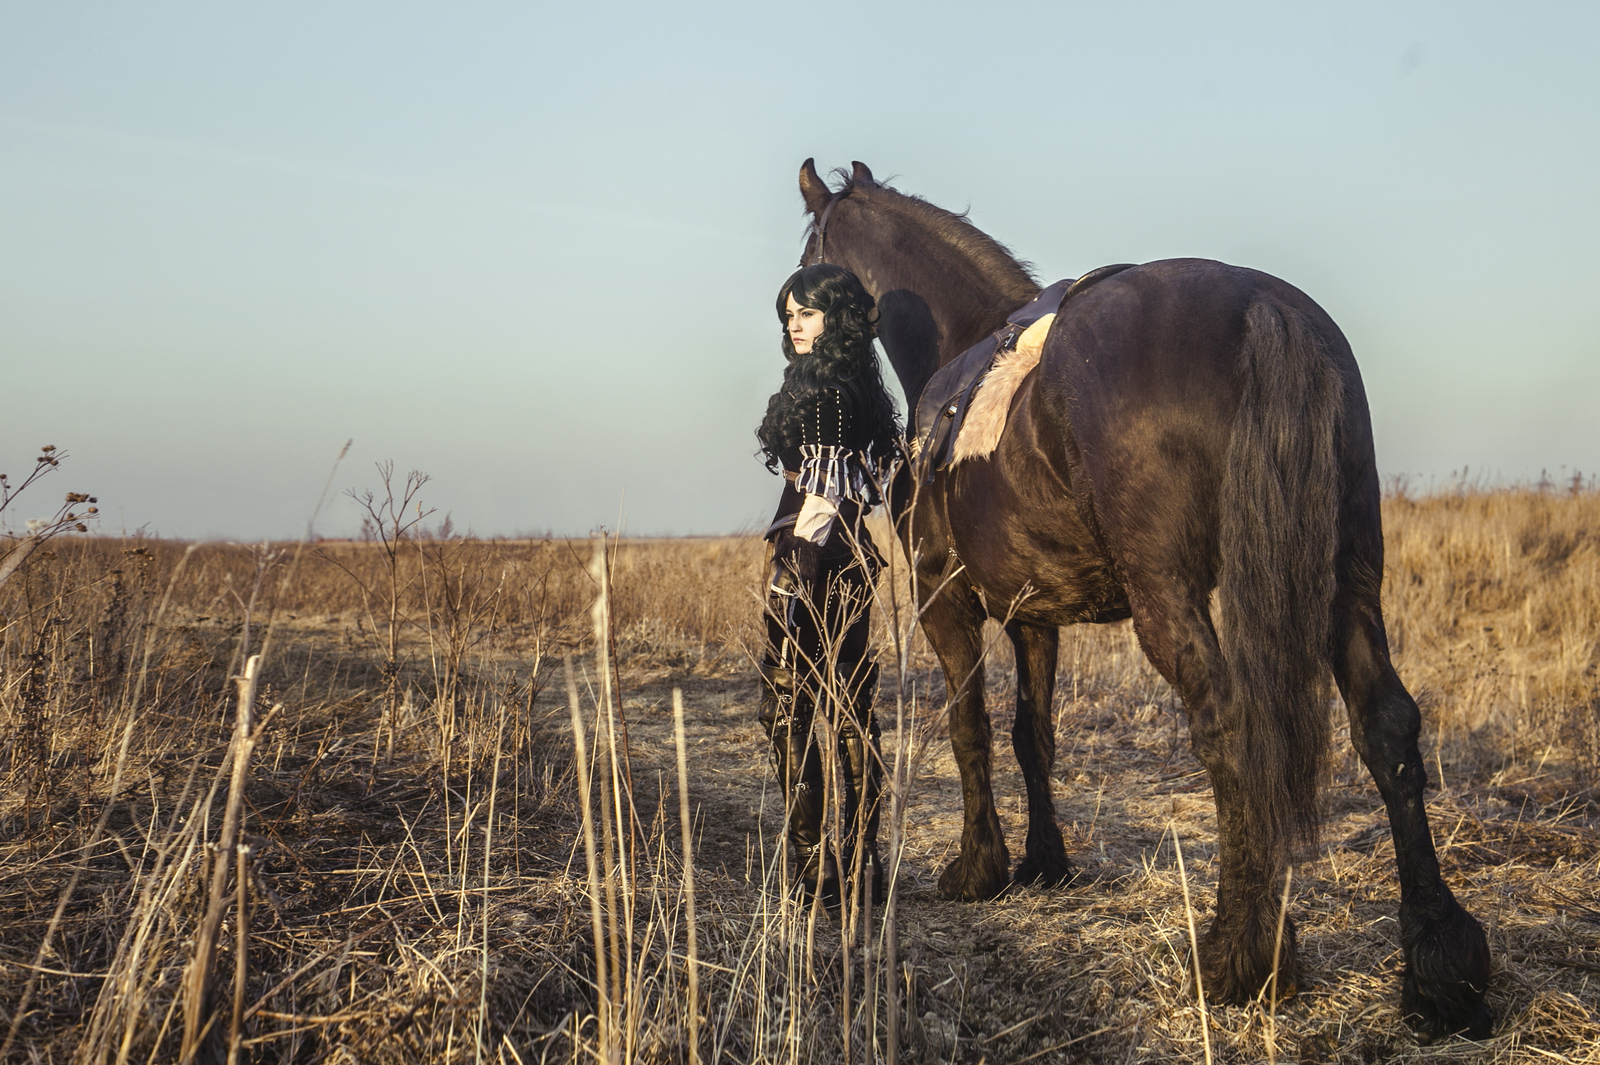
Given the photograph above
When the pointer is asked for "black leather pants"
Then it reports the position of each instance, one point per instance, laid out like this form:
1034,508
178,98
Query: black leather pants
816,659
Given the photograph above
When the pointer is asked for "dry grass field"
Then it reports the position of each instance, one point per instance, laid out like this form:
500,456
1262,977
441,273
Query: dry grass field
379,850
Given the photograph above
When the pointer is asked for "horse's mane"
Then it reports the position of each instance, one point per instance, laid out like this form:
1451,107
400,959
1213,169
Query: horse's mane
992,259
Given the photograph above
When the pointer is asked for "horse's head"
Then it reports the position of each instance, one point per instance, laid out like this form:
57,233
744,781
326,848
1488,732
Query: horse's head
940,283
822,202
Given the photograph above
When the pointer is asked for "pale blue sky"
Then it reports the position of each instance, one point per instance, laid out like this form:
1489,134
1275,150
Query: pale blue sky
532,249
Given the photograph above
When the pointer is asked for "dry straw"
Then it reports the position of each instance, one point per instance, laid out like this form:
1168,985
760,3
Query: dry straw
414,890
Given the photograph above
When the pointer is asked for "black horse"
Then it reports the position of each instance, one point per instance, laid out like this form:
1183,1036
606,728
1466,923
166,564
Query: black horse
1192,429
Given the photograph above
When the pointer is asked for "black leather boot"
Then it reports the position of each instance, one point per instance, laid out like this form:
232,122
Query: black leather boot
786,714
862,763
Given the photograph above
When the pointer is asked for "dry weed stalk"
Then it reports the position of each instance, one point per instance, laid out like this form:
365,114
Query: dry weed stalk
1194,946
198,977
65,519
693,960
1277,955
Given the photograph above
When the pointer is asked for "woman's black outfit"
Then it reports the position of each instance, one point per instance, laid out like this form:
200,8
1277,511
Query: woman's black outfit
818,606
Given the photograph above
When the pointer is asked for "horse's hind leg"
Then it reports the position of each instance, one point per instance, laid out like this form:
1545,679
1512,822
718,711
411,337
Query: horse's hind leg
1033,737
1240,949
953,623
1446,952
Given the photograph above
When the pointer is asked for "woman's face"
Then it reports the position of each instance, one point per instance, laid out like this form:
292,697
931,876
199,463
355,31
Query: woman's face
805,325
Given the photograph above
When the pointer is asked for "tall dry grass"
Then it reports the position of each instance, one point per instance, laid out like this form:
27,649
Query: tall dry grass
1494,607
409,876
124,789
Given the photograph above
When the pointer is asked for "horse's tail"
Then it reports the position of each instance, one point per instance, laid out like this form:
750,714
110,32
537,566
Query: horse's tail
1278,537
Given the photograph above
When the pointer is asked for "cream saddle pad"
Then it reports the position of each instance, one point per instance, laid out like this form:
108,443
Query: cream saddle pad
986,417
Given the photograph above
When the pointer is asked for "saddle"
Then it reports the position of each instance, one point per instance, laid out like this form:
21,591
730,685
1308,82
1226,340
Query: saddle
947,397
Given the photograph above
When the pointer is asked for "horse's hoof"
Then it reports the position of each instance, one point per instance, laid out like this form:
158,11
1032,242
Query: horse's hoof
968,881
1447,973
1054,871
1236,963
1449,1011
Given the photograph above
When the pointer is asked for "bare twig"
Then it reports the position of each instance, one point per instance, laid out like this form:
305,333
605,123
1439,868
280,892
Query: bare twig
63,520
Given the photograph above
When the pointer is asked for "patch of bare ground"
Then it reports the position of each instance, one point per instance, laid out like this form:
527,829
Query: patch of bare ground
417,882
1097,971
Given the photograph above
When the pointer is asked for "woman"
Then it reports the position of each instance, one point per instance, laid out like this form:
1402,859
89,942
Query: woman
831,430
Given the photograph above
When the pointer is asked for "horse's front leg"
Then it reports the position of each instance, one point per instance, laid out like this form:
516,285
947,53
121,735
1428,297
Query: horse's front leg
953,623
1033,738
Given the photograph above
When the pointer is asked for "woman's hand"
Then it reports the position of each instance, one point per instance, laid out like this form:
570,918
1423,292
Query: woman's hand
816,518
799,555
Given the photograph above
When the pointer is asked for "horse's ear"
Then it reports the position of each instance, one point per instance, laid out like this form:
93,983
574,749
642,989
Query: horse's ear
860,175
813,188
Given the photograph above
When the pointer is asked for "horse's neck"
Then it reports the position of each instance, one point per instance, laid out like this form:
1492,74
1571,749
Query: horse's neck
924,322
935,304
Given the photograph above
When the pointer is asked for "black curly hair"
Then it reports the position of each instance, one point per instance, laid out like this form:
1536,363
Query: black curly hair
842,357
